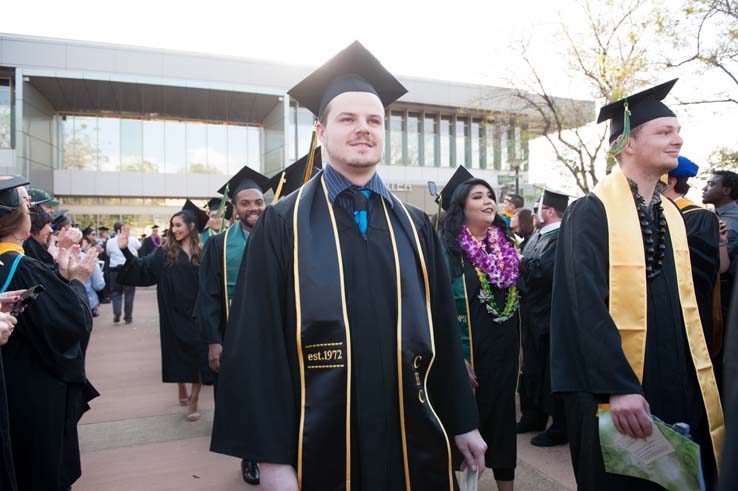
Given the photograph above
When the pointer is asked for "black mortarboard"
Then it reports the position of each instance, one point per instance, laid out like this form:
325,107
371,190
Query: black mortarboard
354,69
461,175
556,200
59,217
103,229
246,178
295,173
643,107
197,214
214,204
154,227
9,197
87,231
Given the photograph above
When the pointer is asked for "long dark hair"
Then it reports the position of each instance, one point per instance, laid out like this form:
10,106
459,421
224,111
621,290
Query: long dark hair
454,219
171,247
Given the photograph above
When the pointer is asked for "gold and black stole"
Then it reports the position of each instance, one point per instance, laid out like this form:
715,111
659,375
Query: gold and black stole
324,350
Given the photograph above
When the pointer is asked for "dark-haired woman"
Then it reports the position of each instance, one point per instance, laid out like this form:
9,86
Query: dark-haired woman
36,245
43,363
173,268
521,224
483,264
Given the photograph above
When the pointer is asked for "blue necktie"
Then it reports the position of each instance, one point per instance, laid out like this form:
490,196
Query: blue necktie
361,205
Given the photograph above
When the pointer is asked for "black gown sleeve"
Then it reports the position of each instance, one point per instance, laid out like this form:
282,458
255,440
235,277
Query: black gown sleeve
586,353
209,307
449,386
141,271
256,411
56,321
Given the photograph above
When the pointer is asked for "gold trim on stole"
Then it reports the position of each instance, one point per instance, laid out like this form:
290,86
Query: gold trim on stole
298,336
627,293
468,317
400,389
426,283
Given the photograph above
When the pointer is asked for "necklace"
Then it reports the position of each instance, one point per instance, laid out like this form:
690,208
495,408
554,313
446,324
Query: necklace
498,267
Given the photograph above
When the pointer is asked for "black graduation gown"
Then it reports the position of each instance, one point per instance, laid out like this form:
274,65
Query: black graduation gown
728,469
184,356
537,268
147,247
37,251
45,377
496,347
211,296
587,362
703,236
258,401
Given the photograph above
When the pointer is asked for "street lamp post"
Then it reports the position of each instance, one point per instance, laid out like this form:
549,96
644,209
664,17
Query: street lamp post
516,163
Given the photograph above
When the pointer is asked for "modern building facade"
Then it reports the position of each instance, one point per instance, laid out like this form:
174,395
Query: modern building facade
128,132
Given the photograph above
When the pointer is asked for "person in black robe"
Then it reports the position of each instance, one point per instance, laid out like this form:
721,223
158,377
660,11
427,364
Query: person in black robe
537,268
352,419
728,469
173,268
490,329
43,364
36,245
150,243
589,362
219,268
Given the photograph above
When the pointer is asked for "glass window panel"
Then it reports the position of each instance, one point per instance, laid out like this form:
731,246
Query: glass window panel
504,148
445,147
430,137
305,123
291,139
197,148
80,143
108,138
396,129
461,134
476,136
217,149
518,143
237,149
253,134
131,145
6,118
413,139
153,146
175,146
489,145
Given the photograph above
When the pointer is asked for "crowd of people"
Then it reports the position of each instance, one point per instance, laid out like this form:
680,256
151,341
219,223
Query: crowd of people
354,342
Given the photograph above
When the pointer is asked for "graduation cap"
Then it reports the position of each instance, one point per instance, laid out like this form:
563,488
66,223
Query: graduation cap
197,214
214,204
59,218
293,176
154,227
87,231
103,229
10,199
684,168
246,178
461,175
632,111
354,69
555,199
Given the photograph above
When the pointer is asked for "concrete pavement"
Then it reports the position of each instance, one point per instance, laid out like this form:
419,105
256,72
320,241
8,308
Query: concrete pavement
136,436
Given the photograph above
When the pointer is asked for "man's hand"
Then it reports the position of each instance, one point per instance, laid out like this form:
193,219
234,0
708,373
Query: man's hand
64,239
472,447
72,268
472,375
123,235
631,415
7,324
277,477
214,351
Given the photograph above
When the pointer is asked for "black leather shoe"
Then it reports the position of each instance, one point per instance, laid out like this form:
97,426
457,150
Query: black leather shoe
549,439
116,318
250,471
526,425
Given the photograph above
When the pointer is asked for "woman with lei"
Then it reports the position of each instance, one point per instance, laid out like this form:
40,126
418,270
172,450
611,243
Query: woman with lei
483,265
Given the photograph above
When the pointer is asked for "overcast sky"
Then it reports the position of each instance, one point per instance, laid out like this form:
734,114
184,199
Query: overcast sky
462,40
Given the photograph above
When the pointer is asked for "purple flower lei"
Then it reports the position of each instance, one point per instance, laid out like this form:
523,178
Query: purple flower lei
501,265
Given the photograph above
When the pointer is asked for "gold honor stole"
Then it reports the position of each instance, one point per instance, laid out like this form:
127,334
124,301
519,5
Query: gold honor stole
627,291
323,340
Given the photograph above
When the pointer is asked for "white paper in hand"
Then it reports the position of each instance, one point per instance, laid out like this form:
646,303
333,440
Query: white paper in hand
469,480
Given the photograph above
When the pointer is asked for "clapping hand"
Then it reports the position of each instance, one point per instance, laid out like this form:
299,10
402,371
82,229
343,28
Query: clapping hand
7,324
71,267
125,233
